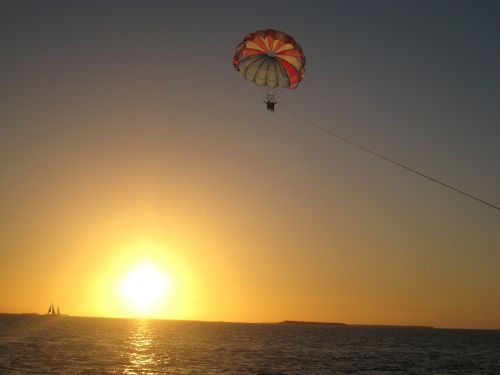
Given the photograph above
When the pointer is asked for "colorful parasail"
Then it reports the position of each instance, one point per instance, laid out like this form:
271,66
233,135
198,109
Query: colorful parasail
270,58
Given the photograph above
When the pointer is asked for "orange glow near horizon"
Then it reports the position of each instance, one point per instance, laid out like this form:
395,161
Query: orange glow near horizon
128,145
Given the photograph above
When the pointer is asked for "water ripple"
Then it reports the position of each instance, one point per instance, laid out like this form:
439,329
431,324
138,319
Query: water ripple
70,345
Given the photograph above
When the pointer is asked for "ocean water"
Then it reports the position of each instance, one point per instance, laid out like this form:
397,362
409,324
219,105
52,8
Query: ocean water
73,345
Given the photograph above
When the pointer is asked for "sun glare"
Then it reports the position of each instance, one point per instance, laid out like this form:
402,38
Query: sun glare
145,288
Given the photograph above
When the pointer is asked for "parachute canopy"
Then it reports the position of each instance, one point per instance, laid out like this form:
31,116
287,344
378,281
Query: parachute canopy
270,58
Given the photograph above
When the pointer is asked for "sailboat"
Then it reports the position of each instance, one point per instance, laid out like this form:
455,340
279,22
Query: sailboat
52,310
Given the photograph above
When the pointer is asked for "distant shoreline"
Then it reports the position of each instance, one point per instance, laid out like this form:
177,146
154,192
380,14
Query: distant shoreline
284,322
337,324
300,322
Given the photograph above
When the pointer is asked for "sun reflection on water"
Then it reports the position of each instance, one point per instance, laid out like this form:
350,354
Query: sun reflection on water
142,356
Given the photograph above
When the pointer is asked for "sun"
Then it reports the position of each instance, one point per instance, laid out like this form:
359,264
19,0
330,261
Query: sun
145,288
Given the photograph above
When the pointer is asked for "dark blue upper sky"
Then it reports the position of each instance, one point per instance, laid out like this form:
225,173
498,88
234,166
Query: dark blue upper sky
418,80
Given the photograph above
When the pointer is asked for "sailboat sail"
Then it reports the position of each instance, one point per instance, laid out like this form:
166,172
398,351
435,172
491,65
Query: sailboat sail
52,310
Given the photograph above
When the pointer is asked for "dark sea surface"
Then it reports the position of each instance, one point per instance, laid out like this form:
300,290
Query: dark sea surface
73,345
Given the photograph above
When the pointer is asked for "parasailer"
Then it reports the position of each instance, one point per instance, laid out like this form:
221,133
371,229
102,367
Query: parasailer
274,59
270,58
270,102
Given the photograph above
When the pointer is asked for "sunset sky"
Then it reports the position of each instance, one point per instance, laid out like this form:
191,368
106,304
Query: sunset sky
127,138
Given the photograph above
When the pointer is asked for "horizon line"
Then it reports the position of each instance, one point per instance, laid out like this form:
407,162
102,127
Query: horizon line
287,321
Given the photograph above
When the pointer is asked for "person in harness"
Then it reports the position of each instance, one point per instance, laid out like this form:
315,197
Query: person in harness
270,102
